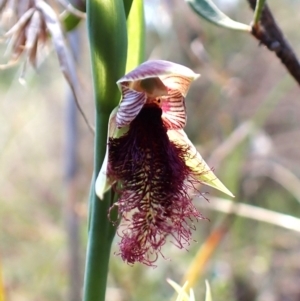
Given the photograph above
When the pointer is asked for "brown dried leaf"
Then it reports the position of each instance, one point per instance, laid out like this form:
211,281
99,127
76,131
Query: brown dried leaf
21,23
65,58
33,53
33,29
18,46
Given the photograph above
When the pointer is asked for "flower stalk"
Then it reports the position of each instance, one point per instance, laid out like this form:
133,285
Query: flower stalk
108,43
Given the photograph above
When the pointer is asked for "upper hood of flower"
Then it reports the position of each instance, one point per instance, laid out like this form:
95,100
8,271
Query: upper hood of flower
162,82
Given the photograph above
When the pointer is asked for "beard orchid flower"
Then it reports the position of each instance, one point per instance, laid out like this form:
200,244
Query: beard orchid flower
151,162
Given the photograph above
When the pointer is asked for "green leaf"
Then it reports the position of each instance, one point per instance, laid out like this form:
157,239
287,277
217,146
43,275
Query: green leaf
107,32
209,11
127,6
136,35
258,10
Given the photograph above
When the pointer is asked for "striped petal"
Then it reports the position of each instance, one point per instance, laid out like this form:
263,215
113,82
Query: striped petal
131,104
179,82
194,160
173,107
103,183
162,82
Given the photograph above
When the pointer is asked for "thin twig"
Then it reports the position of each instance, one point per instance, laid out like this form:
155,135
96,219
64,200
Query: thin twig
269,34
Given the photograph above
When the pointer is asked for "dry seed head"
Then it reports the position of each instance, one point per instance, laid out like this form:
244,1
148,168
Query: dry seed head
35,22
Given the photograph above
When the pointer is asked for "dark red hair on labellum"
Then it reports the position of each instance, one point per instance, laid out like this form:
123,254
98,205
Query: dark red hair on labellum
154,183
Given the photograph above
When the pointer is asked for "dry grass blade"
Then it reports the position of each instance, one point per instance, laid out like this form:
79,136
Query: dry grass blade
260,214
64,56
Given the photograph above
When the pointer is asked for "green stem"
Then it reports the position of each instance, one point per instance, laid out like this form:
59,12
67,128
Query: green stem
101,231
258,10
99,238
108,44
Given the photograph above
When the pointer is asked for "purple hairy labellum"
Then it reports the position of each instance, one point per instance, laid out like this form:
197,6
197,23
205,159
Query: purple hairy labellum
155,181
153,163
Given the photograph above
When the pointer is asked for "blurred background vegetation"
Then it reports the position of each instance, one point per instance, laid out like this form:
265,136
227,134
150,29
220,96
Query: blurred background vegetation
243,89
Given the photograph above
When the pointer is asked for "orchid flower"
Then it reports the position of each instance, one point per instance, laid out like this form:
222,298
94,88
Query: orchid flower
151,162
